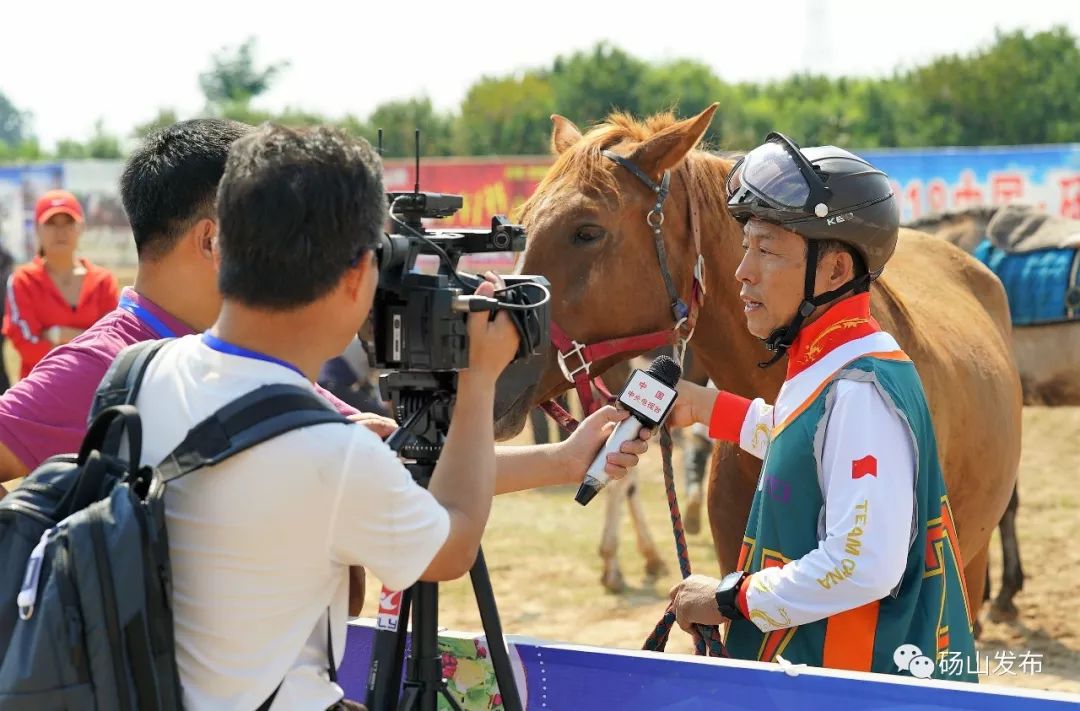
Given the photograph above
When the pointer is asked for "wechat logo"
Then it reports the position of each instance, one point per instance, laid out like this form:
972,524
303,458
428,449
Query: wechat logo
910,658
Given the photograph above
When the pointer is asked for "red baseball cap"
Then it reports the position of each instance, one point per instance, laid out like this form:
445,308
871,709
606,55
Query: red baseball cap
56,202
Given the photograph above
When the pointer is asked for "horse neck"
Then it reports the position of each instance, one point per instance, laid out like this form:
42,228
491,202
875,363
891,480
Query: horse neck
728,351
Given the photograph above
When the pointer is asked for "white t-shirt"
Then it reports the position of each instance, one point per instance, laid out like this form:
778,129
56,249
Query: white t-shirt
261,544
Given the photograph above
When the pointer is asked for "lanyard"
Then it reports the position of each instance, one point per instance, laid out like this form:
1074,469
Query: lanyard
232,349
143,314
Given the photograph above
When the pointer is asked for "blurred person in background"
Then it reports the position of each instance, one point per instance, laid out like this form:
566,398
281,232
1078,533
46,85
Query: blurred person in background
57,296
7,263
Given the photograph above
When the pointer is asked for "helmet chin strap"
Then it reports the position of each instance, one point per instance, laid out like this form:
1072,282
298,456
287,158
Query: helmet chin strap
780,340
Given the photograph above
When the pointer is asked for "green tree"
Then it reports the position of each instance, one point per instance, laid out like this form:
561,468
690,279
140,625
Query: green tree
687,87
684,85
14,124
399,119
27,150
590,85
1021,89
506,116
102,144
164,117
234,78
70,149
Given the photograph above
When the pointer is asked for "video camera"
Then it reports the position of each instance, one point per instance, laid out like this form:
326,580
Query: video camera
420,336
419,319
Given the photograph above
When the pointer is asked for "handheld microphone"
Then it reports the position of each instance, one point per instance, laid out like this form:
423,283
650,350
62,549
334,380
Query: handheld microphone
648,395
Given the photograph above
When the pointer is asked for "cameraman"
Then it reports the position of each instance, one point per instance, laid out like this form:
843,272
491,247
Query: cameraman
261,545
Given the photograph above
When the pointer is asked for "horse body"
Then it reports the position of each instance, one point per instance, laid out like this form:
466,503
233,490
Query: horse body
589,237
1045,354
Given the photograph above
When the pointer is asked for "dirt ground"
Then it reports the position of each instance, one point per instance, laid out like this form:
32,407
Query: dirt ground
541,549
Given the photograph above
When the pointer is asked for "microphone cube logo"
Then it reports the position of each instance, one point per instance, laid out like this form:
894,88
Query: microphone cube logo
647,396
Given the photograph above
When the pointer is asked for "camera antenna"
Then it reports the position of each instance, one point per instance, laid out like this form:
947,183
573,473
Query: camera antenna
416,188
379,149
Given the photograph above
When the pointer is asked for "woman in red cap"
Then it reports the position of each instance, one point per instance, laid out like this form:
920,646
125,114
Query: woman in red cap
57,296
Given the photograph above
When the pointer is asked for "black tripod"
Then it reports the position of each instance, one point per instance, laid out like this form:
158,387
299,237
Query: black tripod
424,401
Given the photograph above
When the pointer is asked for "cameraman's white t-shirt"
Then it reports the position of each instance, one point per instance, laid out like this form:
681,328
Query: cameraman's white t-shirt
261,543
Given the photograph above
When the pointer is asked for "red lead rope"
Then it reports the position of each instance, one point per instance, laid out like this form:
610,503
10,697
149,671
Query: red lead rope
707,640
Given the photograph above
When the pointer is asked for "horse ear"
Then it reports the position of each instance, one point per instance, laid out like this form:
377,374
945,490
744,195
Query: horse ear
564,134
664,150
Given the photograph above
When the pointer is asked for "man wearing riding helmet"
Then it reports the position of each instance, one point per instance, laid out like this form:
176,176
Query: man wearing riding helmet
850,559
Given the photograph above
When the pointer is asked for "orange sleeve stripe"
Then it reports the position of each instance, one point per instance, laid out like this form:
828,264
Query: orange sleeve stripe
728,413
849,638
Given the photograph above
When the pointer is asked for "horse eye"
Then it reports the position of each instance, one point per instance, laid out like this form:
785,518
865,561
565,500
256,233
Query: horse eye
589,233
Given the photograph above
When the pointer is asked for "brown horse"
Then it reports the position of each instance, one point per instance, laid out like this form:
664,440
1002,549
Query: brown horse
1045,353
588,235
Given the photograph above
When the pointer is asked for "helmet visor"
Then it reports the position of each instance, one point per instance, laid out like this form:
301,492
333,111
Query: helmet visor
770,173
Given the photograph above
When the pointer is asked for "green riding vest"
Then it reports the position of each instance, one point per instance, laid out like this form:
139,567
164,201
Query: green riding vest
929,608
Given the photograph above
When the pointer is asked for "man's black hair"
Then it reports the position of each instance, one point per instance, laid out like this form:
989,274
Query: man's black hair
297,208
171,180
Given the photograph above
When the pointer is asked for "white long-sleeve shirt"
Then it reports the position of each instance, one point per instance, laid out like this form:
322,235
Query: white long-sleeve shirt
866,474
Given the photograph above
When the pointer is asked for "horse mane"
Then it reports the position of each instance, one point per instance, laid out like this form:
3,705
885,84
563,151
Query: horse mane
585,167
930,222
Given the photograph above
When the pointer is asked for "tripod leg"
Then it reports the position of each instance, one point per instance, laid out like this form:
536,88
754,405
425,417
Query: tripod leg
450,699
409,699
425,665
489,617
387,658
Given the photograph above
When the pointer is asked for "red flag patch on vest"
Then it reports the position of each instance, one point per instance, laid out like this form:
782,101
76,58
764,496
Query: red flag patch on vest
867,466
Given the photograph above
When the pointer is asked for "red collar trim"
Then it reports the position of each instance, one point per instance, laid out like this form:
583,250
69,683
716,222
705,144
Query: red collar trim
844,321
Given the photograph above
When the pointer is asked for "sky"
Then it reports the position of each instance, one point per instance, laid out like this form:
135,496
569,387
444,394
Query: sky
73,62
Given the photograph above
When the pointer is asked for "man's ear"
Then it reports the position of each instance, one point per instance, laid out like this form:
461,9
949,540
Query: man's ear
204,235
354,277
839,268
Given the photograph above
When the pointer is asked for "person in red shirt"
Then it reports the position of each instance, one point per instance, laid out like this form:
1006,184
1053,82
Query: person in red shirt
57,296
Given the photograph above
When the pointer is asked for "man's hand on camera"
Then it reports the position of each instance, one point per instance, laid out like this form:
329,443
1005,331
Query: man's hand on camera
492,343
381,426
582,446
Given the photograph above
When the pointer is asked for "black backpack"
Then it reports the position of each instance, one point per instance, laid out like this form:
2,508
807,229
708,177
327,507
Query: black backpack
91,624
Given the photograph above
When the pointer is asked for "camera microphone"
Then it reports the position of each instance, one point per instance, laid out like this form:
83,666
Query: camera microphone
648,395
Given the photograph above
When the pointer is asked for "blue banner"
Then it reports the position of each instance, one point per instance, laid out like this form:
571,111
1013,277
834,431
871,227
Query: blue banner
20,187
567,678
934,180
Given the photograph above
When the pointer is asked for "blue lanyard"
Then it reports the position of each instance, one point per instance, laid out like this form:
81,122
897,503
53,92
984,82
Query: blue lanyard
232,349
143,314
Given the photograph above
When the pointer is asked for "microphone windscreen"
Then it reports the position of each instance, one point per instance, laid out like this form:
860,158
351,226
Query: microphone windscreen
666,370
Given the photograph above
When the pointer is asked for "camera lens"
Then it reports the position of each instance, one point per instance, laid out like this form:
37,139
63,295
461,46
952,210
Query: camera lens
500,239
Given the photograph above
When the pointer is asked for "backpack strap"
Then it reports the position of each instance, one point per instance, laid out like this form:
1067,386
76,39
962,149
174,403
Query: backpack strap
262,414
122,380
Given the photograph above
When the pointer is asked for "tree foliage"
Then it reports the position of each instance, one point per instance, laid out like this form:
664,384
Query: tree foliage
1021,88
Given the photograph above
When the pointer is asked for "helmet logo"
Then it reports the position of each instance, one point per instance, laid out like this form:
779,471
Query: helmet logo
821,209
838,219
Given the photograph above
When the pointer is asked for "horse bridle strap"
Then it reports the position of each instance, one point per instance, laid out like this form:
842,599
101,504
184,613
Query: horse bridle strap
684,315
655,219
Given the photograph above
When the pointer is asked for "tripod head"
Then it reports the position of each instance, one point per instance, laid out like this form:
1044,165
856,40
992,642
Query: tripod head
423,401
